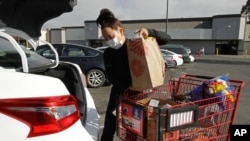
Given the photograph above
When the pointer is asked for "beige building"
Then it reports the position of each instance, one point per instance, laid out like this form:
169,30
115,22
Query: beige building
222,34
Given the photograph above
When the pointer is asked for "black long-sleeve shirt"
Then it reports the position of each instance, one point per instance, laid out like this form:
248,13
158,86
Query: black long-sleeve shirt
116,61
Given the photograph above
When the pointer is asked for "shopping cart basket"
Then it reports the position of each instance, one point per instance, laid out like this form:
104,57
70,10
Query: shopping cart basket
156,115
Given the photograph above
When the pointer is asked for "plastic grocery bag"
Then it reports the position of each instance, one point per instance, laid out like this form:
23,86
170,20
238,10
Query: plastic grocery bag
218,87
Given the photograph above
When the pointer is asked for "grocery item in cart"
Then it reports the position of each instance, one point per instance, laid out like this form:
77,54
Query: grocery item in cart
217,87
207,122
161,117
152,121
133,118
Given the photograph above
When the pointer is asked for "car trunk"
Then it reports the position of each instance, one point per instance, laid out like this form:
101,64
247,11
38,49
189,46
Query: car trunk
30,15
70,77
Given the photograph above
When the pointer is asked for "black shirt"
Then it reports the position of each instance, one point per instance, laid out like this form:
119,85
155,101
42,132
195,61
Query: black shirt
116,61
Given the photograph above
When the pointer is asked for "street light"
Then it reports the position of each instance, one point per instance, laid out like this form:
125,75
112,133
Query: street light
167,17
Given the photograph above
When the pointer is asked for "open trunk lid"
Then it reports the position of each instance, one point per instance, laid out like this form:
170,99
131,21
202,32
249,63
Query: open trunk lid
30,15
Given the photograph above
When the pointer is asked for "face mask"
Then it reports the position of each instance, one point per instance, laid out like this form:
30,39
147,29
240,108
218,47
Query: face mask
115,43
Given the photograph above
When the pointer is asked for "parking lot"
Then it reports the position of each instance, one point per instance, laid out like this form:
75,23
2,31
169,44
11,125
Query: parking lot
210,65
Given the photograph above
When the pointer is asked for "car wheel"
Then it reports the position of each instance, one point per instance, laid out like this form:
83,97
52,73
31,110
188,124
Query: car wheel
166,66
95,78
175,64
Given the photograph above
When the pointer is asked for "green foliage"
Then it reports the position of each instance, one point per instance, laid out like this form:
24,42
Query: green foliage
246,8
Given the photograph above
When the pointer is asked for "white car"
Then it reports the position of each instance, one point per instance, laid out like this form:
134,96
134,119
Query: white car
40,99
177,57
51,93
188,50
192,59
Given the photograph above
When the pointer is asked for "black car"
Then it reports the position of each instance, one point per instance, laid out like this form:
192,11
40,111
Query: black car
103,48
89,59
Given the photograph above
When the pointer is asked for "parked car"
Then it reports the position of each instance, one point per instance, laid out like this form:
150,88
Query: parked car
169,61
37,92
179,49
89,59
188,50
40,99
102,48
177,57
192,58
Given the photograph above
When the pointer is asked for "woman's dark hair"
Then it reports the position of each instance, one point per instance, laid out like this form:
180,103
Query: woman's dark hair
108,19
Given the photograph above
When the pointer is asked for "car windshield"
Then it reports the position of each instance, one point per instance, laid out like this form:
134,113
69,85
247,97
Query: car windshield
10,58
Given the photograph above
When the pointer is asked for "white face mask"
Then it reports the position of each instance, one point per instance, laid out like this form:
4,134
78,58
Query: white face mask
115,43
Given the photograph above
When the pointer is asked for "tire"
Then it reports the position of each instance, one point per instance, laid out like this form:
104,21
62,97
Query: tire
95,78
175,64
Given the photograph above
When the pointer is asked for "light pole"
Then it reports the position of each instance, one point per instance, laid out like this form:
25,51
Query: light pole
167,17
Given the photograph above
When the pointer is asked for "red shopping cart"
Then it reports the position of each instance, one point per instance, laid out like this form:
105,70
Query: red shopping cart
164,113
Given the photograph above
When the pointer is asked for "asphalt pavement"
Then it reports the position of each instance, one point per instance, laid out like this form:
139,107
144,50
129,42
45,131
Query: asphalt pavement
209,65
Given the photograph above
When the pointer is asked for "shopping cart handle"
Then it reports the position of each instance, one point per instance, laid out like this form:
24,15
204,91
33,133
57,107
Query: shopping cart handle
197,76
242,83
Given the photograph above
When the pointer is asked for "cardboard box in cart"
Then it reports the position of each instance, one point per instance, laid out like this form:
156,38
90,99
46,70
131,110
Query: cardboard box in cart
152,123
156,122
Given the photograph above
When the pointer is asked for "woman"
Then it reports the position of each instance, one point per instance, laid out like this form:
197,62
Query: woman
116,62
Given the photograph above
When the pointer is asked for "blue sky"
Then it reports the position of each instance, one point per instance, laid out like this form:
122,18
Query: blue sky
145,9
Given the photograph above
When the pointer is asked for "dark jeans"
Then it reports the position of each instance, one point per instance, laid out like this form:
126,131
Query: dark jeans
110,120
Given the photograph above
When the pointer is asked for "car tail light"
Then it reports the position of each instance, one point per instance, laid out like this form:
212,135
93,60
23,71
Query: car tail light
44,115
180,57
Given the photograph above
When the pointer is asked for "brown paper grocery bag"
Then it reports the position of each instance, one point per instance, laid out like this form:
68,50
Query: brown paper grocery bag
147,67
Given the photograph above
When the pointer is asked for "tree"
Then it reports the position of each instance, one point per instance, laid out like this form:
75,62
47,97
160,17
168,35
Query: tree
246,8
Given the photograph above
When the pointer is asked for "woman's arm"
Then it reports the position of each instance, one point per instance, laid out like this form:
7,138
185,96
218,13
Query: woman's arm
161,37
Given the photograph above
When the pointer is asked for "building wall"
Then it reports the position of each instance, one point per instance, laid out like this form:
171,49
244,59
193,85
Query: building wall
63,35
81,42
246,43
220,31
76,33
43,35
242,28
181,29
227,28
196,45
55,36
67,35
92,31
190,34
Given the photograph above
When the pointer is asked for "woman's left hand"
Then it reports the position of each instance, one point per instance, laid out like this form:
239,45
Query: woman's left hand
143,32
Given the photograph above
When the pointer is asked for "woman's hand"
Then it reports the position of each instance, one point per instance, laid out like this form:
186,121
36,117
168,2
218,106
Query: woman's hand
143,32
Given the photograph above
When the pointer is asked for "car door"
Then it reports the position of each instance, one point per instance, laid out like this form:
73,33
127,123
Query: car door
78,55
46,51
